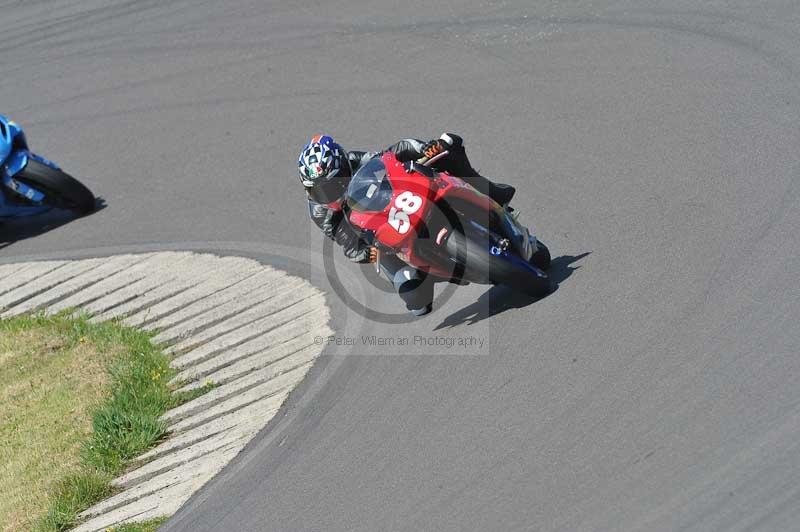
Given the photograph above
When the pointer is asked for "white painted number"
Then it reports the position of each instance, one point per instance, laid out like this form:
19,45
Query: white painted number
408,202
399,220
405,204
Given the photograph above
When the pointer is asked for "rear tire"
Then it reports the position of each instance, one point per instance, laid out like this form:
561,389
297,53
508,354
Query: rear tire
60,189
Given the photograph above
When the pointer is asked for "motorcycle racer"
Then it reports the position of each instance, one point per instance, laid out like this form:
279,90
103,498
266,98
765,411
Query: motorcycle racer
325,170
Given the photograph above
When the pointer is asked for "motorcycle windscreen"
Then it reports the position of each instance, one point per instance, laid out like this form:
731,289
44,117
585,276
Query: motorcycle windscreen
369,190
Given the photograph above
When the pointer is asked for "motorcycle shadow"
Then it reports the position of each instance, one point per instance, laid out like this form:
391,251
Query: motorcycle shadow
500,298
13,230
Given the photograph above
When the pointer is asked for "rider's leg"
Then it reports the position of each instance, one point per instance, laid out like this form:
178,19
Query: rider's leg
412,285
457,163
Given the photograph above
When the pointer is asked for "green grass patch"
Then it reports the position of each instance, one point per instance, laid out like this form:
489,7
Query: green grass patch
71,495
78,401
178,398
145,526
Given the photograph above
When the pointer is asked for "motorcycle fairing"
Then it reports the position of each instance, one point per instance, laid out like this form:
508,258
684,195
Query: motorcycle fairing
373,201
14,157
373,194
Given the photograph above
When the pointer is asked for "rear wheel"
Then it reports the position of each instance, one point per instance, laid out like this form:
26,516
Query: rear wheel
60,189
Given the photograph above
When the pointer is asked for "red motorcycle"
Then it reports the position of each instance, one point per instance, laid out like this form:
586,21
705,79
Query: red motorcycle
441,225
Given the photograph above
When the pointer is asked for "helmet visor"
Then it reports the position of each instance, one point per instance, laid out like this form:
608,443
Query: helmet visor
328,190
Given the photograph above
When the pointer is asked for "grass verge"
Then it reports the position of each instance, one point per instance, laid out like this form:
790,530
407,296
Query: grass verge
145,526
78,401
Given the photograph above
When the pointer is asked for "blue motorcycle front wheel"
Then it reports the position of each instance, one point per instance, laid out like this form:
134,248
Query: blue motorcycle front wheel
60,189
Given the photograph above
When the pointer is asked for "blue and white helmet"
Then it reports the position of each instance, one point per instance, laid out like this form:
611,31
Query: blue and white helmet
324,169
321,158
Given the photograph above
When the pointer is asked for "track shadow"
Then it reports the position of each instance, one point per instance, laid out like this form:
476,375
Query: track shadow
13,230
502,298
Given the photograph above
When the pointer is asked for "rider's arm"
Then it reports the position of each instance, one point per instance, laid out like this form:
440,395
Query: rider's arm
359,158
407,149
352,246
330,223
323,217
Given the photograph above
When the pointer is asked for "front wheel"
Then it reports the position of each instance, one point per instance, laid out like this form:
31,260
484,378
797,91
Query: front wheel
533,283
476,263
60,189
541,259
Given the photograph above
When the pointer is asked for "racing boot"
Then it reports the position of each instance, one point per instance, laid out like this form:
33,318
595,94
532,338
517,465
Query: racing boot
501,193
413,286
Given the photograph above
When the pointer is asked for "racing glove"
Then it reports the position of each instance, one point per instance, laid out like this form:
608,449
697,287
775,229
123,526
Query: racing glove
437,149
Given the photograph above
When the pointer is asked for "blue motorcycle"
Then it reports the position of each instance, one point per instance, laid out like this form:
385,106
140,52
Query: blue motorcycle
30,184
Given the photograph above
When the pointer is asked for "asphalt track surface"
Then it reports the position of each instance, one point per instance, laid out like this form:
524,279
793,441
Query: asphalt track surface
656,389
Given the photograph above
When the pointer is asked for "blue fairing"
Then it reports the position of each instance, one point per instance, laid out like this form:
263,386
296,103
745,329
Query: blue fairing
15,163
6,138
521,264
15,210
14,157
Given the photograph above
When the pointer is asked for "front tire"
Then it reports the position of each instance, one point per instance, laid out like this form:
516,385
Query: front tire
480,266
60,189
541,259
